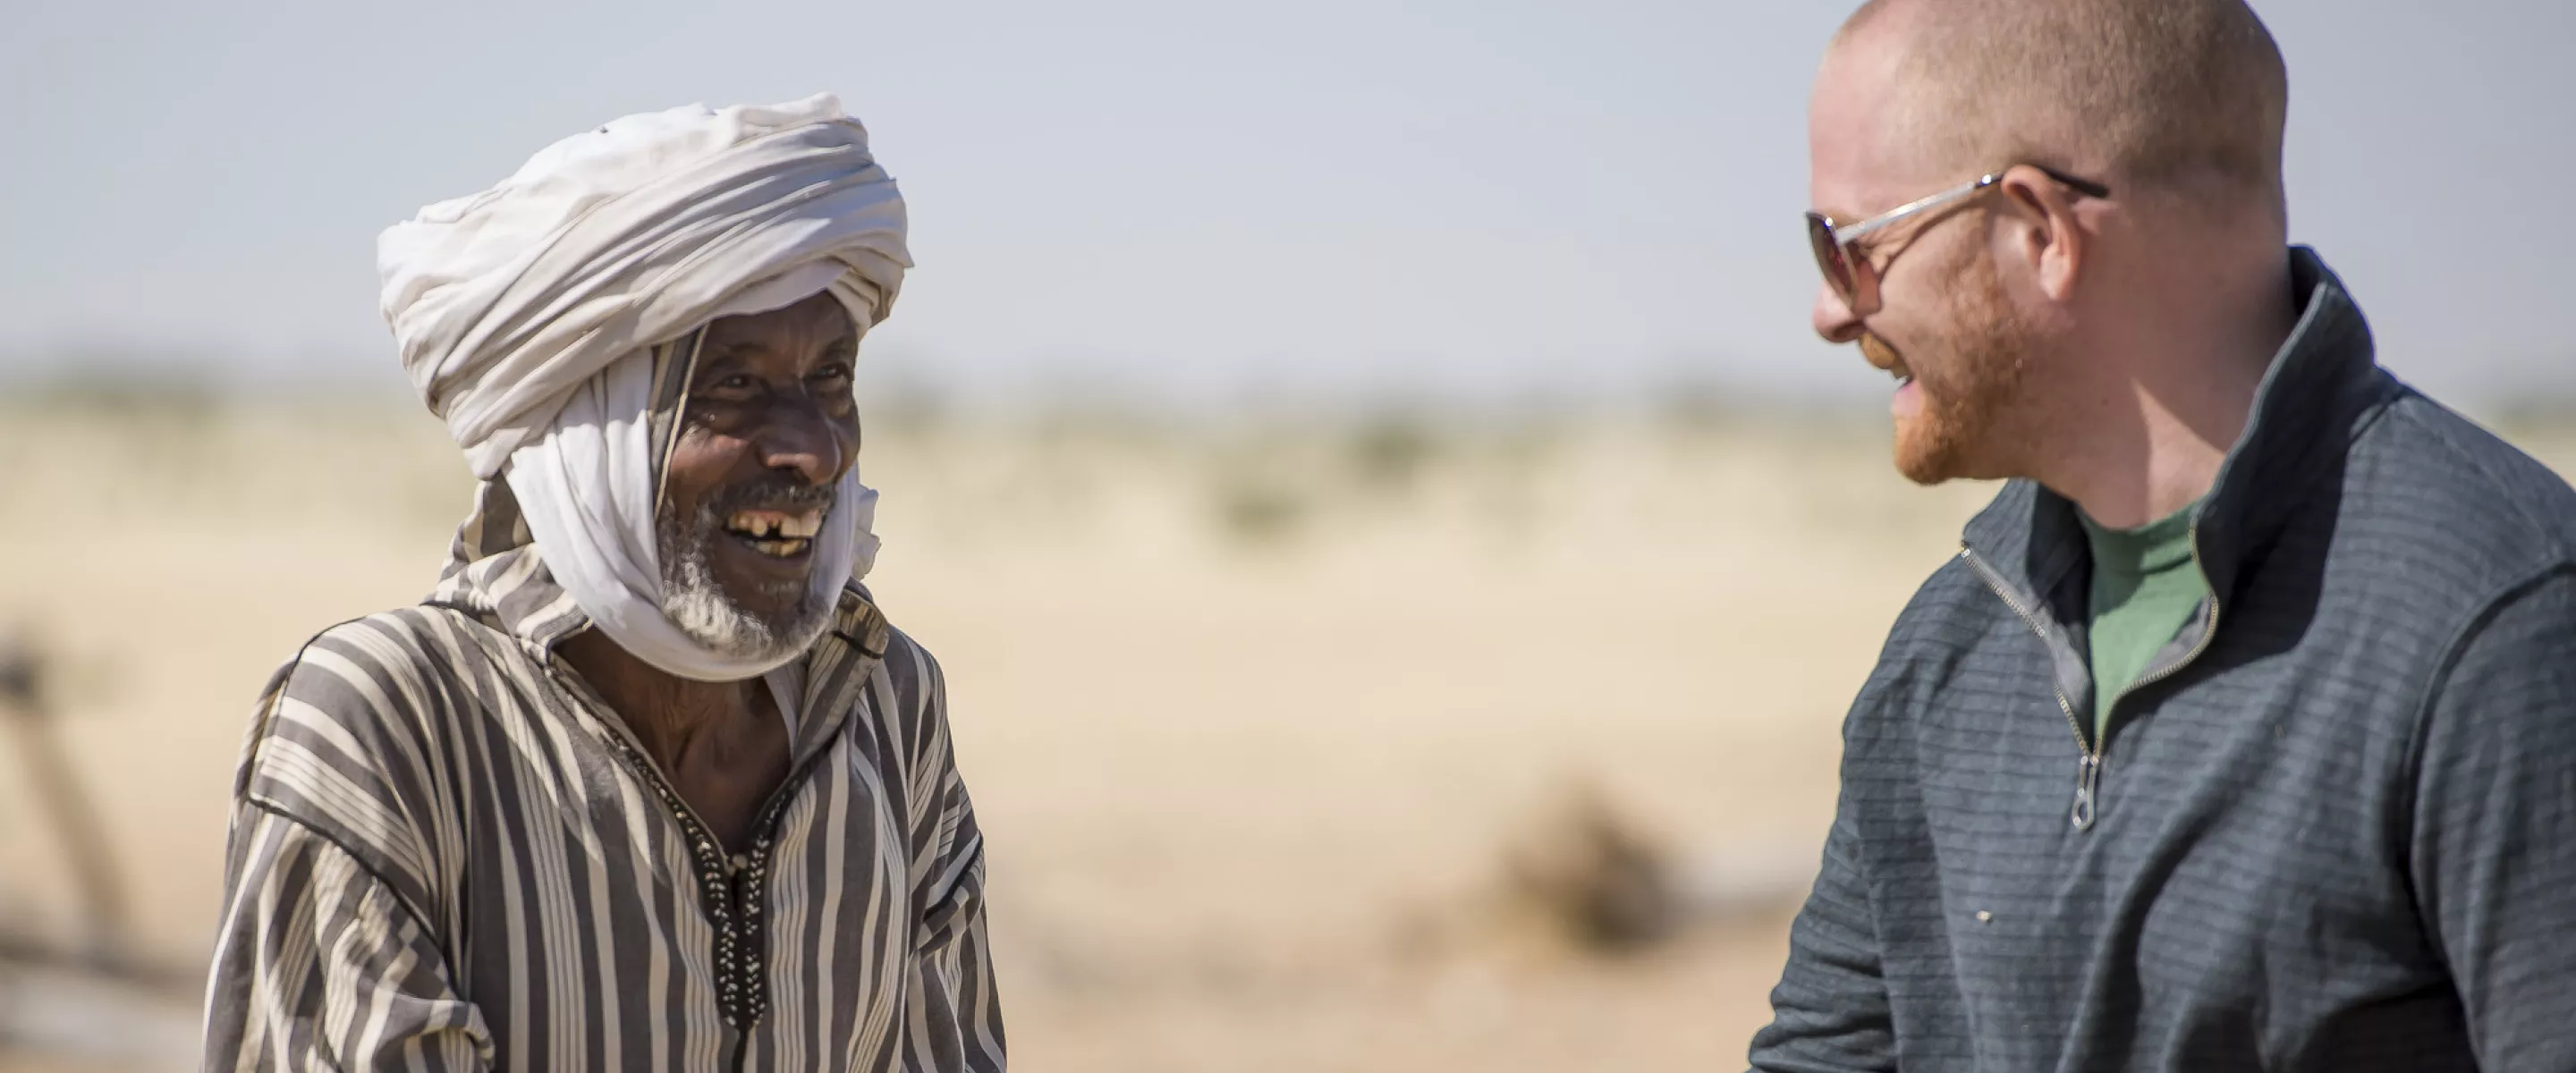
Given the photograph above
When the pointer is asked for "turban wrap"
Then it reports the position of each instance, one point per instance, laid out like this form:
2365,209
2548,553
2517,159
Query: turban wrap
539,318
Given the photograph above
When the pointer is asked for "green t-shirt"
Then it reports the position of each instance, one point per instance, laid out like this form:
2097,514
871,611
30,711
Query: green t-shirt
2145,588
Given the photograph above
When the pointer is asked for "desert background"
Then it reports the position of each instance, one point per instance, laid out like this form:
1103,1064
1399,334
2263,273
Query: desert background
1382,741
1399,552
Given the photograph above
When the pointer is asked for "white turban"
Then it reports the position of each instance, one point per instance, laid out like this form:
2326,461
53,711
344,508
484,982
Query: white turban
526,316
615,239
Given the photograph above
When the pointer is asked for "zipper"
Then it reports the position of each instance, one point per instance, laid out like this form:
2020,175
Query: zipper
2088,783
2088,765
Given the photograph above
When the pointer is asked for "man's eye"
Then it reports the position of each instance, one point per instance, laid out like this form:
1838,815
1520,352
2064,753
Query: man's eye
833,371
736,382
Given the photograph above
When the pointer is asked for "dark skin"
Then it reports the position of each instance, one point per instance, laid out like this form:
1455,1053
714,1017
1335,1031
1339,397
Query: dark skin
769,401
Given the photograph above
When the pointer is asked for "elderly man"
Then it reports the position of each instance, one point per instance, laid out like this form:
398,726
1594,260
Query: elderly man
647,782
2241,732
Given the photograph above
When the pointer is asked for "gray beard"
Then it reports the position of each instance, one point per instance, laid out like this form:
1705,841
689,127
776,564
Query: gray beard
697,603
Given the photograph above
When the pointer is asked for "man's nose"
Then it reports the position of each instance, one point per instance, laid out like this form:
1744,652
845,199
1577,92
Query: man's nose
1833,317
799,438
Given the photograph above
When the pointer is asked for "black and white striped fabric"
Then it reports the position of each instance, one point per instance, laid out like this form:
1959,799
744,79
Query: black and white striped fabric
448,854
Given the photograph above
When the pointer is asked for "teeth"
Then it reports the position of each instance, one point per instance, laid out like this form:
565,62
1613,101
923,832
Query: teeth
760,523
773,525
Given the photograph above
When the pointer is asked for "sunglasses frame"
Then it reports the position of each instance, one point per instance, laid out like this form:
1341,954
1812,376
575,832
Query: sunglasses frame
1846,264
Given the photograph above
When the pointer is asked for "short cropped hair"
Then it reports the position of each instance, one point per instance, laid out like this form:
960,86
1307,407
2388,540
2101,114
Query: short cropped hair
2186,95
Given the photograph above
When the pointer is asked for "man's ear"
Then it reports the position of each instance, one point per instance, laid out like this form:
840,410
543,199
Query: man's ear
2047,235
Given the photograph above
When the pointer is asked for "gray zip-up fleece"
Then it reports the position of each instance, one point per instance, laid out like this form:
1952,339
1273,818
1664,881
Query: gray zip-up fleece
2333,827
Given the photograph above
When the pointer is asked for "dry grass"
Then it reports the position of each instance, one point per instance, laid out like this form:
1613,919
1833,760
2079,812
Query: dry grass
1251,719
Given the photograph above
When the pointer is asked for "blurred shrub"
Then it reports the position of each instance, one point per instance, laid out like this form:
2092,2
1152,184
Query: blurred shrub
1387,453
1254,508
1598,877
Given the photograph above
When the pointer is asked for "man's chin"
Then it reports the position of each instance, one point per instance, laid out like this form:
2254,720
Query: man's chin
731,598
1924,473
1928,452
758,632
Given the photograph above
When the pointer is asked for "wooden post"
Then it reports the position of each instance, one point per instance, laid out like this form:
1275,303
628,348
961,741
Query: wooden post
68,809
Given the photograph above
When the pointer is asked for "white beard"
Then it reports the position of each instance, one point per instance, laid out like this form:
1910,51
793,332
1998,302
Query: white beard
696,602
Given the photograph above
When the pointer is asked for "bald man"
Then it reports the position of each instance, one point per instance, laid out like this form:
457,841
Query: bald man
2241,732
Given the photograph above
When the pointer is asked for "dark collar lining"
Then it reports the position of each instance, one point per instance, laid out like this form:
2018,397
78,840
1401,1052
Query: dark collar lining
2322,388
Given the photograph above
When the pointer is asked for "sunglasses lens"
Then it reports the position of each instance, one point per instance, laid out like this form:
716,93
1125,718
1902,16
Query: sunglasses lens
1829,256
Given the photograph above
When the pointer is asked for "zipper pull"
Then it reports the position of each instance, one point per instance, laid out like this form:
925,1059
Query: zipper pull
2088,778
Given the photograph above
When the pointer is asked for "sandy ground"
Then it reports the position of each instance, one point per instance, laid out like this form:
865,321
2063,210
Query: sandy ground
1251,718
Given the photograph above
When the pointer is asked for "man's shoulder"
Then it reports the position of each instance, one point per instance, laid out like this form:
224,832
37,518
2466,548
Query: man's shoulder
380,664
913,675
1955,605
897,695
903,648
1950,607
369,697
351,733
419,632
2431,491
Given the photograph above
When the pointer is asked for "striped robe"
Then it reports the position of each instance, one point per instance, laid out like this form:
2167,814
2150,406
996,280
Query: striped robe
447,854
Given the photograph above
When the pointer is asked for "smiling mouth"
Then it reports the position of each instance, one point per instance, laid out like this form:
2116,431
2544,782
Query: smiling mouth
778,534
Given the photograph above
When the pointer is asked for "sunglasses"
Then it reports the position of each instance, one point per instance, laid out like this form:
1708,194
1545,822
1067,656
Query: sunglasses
1844,259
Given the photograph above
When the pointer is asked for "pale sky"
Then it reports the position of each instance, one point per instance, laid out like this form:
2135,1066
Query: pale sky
1201,200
